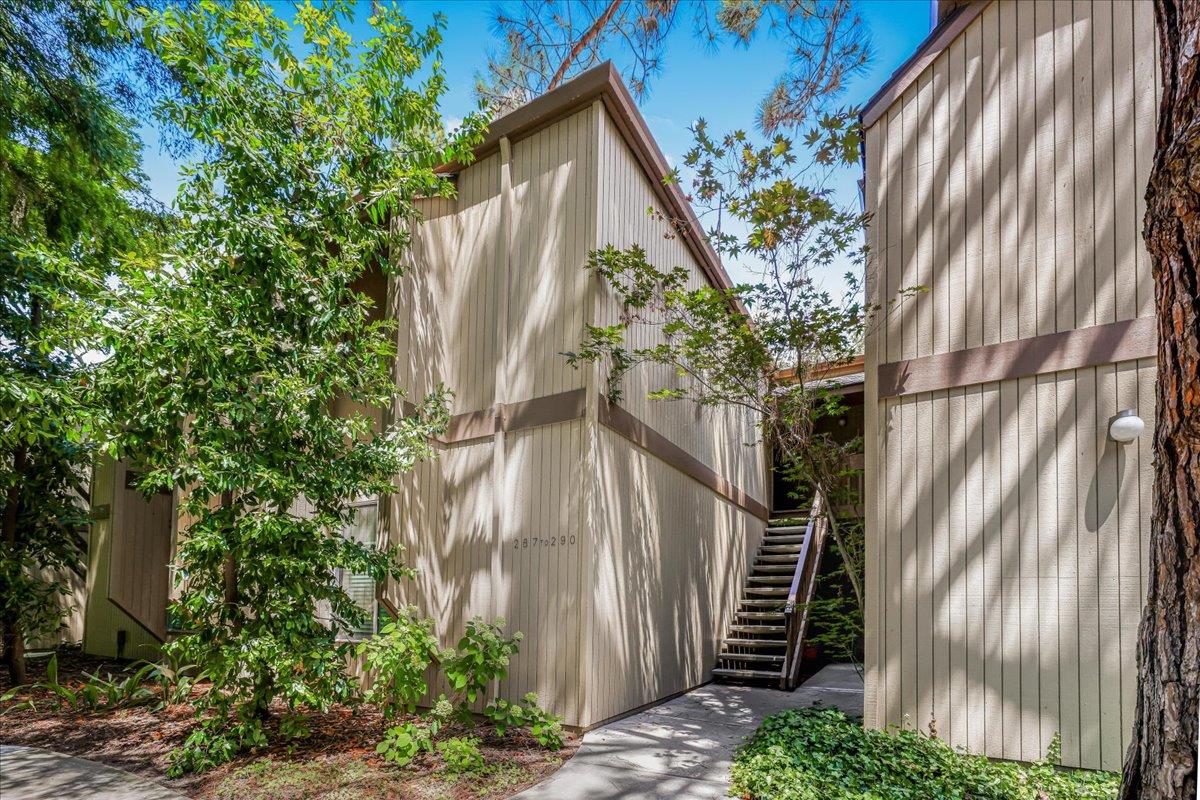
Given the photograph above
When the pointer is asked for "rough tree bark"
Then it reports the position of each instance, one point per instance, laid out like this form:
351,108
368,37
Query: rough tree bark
1162,760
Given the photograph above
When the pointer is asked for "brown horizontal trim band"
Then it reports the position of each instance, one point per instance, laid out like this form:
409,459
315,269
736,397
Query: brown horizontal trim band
1021,358
547,410
604,82
481,424
938,40
572,405
470,425
620,421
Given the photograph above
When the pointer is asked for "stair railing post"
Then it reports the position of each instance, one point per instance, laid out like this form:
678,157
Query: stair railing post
795,620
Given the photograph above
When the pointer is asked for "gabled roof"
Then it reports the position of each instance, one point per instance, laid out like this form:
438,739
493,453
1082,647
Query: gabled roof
603,82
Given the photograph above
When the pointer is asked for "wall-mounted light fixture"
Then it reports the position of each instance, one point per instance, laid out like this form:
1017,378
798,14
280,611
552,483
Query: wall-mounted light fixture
1126,426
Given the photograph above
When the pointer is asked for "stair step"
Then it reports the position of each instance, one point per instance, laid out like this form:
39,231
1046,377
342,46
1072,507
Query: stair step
762,630
769,591
746,674
774,605
779,549
760,614
789,559
773,531
767,658
790,538
782,568
783,580
754,642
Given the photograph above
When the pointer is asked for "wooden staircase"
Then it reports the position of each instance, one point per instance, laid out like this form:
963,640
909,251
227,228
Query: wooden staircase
765,641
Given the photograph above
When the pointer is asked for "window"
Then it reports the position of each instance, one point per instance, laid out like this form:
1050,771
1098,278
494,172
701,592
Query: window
361,588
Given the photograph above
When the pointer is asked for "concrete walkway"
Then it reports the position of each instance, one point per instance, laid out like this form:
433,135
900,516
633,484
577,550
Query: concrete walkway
684,747
30,773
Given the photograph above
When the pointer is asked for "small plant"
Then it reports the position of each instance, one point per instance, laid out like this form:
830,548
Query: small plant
213,743
174,678
94,695
402,743
543,726
461,755
398,657
481,656
403,651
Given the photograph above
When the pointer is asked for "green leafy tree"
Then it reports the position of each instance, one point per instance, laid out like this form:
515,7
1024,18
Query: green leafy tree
761,347
238,351
70,194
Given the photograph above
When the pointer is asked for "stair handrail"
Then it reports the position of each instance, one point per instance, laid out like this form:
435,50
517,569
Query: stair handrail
804,576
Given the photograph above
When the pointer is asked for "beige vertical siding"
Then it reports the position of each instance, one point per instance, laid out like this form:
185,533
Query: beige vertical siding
446,304
667,555
444,515
141,550
496,293
669,559
609,561
717,436
104,618
1006,531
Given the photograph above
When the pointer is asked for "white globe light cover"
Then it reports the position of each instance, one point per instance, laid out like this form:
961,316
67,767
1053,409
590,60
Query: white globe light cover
1126,427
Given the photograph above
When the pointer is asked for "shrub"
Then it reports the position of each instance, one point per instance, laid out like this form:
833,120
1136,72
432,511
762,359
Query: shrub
809,754
402,743
461,754
481,656
398,656
213,743
544,726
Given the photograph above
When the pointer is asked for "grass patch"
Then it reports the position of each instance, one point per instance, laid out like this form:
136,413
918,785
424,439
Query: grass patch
345,777
281,778
810,754
499,778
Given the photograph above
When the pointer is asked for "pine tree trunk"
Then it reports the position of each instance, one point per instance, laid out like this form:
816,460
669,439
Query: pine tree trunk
1162,760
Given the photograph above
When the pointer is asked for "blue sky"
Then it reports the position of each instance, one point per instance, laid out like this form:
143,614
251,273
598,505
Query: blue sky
724,87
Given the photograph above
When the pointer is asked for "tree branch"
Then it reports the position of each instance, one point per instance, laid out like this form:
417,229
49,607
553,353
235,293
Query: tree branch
579,46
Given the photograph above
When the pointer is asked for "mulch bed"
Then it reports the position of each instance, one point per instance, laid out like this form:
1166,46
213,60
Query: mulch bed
72,665
337,761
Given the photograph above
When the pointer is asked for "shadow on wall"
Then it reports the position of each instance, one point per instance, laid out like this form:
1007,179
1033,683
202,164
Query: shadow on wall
1029,525
446,513
1012,530
1097,276
669,559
